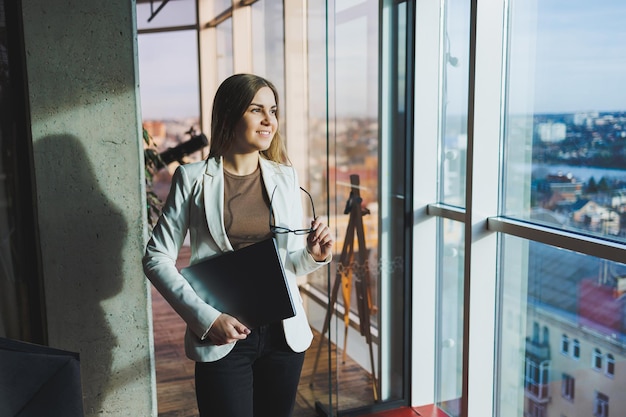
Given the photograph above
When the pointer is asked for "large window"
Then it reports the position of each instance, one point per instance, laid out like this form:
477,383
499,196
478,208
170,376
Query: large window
564,174
531,164
601,405
565,134
168,72
568,384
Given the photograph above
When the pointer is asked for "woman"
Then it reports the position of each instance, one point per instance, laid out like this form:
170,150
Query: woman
224,203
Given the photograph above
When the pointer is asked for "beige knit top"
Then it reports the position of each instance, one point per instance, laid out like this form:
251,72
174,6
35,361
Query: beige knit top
246,209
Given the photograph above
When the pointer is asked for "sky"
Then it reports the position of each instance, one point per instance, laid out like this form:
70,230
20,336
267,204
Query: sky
168,67
565,56
168,75
580,54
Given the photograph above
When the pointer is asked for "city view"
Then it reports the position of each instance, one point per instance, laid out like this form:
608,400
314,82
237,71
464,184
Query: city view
578,171
576,305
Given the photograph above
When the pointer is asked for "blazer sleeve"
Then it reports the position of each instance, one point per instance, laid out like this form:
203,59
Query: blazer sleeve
159,261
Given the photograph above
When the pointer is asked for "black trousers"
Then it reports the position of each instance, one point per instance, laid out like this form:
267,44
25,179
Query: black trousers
258,378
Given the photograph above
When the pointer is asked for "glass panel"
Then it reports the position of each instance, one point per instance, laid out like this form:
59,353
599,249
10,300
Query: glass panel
566,112
174,13
170,103
450,317
549,293
221,5
346,149
169,89
346,4
268,47
455,68
321,387
354,178
318,130
225,63
168,72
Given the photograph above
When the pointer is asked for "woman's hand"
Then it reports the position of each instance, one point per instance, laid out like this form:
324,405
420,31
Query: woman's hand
227,329
319,242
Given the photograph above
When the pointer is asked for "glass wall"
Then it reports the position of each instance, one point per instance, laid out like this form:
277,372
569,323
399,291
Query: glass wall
357,306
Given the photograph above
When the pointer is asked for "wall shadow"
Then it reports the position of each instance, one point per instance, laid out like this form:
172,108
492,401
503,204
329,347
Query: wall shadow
82,238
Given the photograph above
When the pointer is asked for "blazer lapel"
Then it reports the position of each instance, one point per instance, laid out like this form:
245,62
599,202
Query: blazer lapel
268,172
214,192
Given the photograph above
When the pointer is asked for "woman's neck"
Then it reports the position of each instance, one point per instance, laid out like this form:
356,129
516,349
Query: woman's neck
240,164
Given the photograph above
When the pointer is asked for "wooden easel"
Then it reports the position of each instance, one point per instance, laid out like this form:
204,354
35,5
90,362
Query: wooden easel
345,272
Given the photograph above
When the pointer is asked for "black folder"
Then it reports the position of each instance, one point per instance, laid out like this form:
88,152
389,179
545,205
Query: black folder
248,284
39,381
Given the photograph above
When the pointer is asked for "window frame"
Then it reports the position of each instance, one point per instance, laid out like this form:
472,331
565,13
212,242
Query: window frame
20,187
576,349
609,365
565,344
597,360
568,387
600,405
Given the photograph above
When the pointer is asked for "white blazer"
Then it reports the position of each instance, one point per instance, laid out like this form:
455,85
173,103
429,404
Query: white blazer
196,204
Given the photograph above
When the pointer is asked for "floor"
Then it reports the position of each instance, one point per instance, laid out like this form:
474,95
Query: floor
175,384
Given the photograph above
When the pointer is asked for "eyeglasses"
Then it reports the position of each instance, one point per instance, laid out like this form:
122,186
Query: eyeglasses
279,229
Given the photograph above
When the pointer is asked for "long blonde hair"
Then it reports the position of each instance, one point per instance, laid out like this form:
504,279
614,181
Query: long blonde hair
231,101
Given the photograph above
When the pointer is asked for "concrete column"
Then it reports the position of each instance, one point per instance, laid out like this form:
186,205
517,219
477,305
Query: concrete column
86,129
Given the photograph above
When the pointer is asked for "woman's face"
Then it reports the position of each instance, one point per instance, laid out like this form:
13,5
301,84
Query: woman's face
256,128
